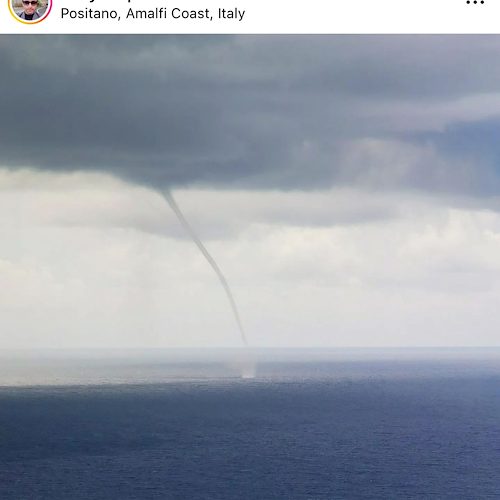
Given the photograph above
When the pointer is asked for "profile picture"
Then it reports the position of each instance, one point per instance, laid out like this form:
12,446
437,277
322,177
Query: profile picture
30,11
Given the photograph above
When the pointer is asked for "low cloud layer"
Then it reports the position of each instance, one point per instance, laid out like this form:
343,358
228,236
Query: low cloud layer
89,261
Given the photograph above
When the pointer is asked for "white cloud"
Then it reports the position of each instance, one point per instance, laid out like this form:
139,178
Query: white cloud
80,266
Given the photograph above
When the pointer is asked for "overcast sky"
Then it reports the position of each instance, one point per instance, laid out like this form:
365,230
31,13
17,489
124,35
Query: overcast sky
347,186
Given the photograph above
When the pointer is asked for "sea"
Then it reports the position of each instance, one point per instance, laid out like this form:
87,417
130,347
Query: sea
327,425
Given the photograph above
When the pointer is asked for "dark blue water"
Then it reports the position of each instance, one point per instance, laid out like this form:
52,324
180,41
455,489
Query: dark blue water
385,437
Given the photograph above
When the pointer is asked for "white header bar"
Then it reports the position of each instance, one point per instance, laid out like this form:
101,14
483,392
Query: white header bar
246,17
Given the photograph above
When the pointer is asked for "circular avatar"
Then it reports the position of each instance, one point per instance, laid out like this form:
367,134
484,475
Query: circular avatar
30,11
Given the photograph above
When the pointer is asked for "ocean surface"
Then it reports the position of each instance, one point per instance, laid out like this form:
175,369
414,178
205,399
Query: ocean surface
345,429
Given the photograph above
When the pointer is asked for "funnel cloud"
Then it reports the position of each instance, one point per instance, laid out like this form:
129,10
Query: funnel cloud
173,205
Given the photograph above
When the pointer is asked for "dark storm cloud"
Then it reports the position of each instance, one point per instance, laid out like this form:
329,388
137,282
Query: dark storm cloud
261,112
474,139
475,142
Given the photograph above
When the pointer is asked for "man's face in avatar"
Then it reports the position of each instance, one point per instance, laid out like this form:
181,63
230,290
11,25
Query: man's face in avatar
29,6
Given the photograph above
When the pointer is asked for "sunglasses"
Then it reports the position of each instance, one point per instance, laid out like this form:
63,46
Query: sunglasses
32,3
